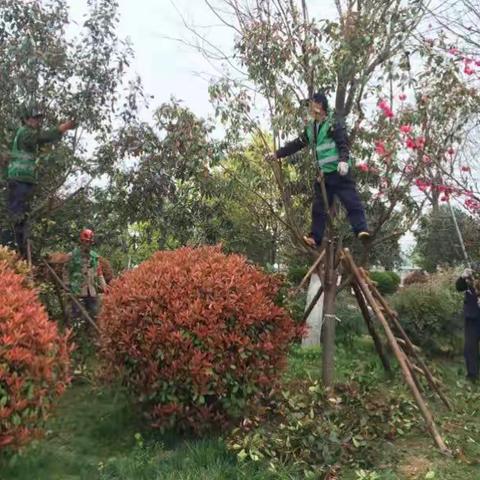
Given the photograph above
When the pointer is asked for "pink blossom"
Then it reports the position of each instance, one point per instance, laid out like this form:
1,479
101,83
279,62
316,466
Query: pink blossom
467,61
385,107
420,142
451,151
363,167
411,143
380,148
402,97
468,71
388,113
382,104
426,159
421,184
477,63
409,168
465,168
454,51
405,128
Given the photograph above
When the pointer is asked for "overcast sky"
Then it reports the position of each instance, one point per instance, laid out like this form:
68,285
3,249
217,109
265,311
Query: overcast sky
166,66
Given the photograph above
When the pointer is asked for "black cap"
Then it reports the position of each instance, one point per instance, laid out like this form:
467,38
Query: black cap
322,99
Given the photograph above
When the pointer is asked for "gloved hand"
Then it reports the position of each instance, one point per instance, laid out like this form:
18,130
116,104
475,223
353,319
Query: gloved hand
342,168
270,156
467,273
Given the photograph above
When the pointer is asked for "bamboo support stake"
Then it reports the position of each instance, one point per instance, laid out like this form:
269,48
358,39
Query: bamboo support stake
371,328
427,415
309,273
409,345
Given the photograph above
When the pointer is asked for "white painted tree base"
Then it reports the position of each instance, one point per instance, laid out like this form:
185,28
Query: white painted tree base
315,319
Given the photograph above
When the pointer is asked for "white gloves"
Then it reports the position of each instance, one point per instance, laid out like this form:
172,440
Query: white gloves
342,168
467,273
270,157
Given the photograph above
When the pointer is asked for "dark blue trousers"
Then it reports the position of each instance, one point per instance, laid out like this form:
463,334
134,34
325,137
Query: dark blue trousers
344,188
471,351
19,198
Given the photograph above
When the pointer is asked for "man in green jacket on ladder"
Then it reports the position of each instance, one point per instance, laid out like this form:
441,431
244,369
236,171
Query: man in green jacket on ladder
328,136
22,168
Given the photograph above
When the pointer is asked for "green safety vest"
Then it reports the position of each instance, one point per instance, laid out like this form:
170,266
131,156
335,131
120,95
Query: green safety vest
326,151
22,166
75,270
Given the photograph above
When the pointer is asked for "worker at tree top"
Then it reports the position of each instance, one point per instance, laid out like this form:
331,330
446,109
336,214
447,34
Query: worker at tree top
329,136
84,274
22,168
469,282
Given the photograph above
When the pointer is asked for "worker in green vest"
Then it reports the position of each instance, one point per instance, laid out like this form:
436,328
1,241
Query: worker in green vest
84,275
328,135
22,168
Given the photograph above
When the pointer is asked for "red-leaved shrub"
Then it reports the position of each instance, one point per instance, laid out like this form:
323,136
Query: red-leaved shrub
34,361
196,335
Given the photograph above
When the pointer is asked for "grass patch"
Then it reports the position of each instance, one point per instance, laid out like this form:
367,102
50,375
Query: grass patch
96,434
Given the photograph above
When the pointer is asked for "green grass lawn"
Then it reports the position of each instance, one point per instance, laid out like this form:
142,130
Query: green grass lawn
95,434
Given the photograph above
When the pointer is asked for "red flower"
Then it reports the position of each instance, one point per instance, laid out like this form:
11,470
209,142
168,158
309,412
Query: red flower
402,97
468,71
405,128
477,63
465,168
444,198
426,159
420,142
363,167
451,151
411,143
421,185
380,148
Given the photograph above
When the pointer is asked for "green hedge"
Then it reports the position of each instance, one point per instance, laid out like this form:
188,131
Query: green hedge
431,314
387,282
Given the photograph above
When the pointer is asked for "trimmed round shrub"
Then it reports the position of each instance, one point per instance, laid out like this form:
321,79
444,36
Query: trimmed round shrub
34,361
431,313
196,336
387,282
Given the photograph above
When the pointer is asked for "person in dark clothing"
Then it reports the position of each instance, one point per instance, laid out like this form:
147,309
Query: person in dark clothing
471,313
22,169
329,136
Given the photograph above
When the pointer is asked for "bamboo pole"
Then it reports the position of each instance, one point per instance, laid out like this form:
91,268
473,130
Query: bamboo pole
328,325
73,297
309,273
371,328
427,415
409,345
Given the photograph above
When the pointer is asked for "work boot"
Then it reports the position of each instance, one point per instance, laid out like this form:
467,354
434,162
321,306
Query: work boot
364,236
310,241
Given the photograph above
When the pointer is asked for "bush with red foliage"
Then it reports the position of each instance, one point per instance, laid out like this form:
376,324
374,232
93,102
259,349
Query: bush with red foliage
196,335
34,361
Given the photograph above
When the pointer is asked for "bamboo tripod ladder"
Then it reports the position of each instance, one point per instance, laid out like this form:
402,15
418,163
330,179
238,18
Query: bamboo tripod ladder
407,354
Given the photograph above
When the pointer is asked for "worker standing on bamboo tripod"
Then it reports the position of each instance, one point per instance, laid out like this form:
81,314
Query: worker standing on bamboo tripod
22,169
84,275
328,136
